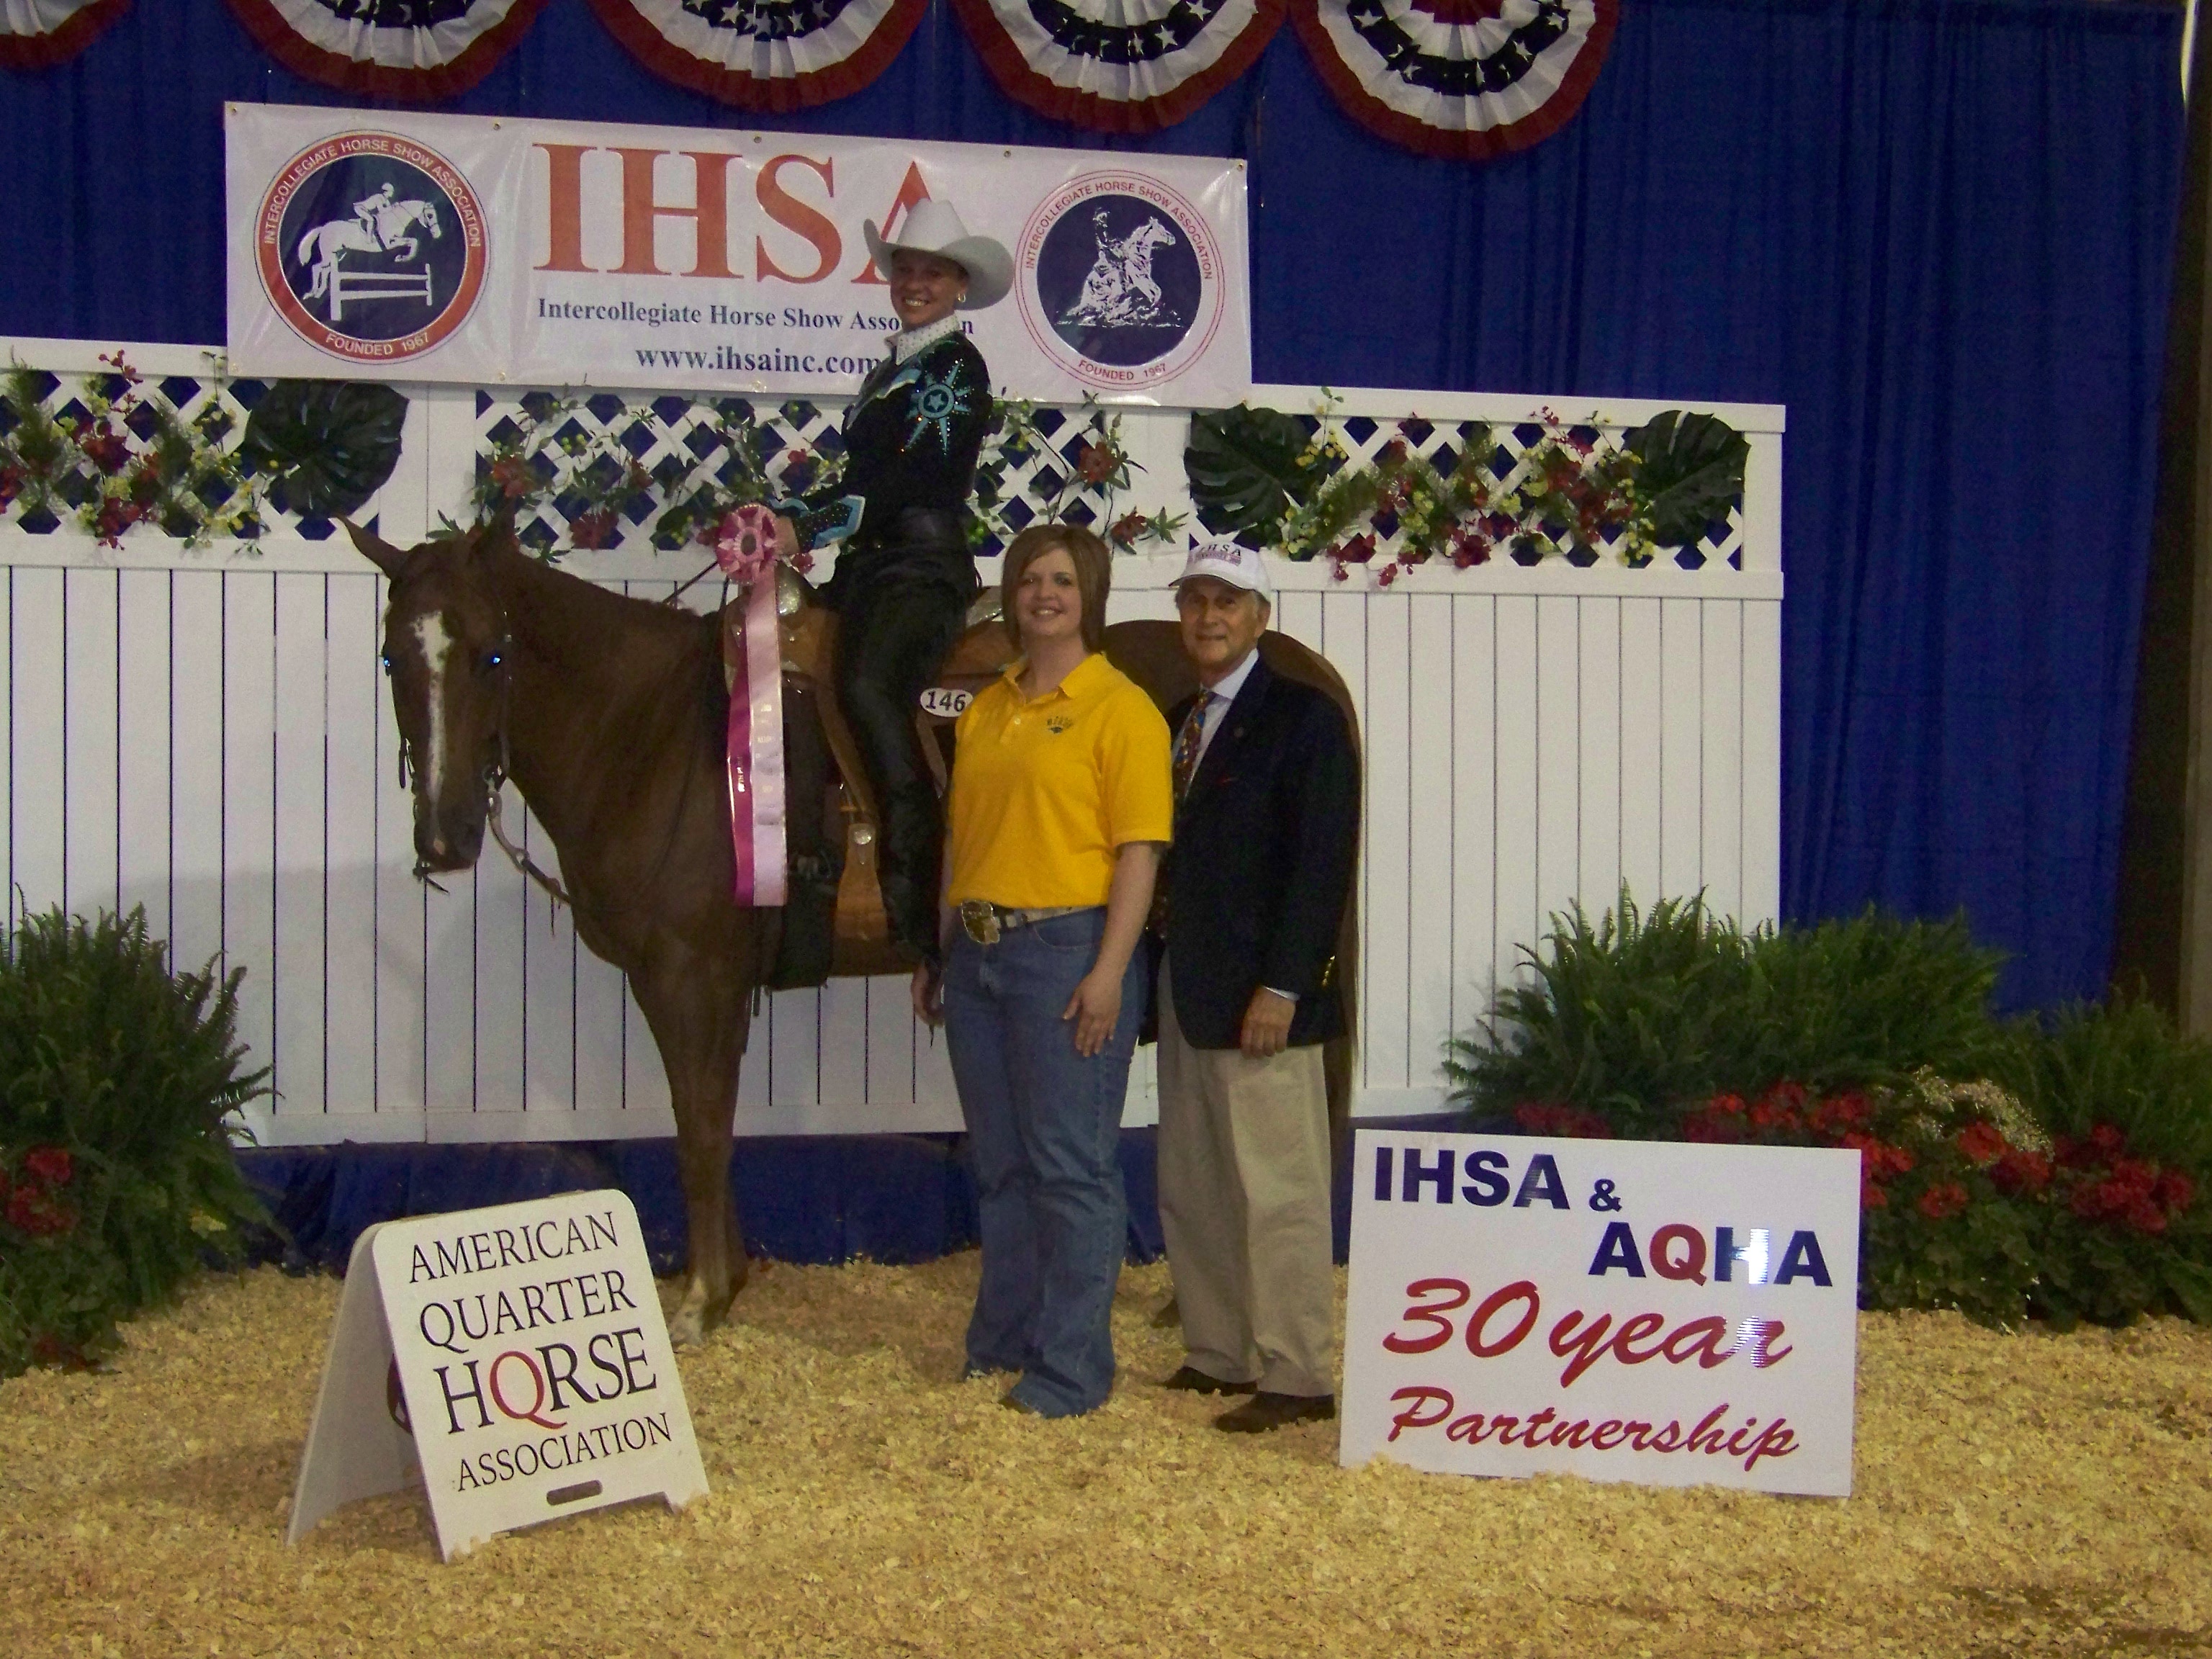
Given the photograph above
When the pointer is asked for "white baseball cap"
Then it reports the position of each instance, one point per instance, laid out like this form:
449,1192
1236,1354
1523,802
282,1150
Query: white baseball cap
1227,562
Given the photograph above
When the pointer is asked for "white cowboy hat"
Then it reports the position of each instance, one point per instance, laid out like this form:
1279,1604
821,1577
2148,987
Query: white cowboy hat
932,226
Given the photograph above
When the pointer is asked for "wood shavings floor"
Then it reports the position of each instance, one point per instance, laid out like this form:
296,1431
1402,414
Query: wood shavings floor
2015,1495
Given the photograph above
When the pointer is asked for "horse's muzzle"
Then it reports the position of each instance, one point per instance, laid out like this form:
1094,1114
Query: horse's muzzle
442,849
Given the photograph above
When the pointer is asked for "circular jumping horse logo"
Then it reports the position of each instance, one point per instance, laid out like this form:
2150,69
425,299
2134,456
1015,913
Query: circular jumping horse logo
1120,281
371,247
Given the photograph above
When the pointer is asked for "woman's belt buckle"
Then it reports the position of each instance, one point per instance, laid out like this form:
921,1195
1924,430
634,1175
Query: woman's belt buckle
979,919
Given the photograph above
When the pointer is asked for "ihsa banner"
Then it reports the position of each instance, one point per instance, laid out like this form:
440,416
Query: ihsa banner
386,245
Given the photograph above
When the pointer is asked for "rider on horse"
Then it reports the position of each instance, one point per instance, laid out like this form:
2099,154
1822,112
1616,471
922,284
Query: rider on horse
905,575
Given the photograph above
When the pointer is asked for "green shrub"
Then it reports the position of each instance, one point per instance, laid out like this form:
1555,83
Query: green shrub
1872,1001
2125,1225
1641,1015
116,1173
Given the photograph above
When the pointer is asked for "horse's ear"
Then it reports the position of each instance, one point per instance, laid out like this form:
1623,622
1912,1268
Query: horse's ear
495,534
374,548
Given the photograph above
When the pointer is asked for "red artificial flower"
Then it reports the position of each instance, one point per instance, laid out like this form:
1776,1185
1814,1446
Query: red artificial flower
1392,453
2136,1176
1129,527
1096,463
1871,1196
2146,1217
2175,1192
1732,1104
593,530
1709,1126
11,485
1982,1144
1849,1110
512,474
1386,574
1943,1200
1877,1159
115,516
107,449
33,1211
1469,546
1554,1118
1778,1108
1353,550
51,1164
2019,1172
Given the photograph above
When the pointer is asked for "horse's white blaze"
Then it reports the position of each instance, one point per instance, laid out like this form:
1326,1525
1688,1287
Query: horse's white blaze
436,645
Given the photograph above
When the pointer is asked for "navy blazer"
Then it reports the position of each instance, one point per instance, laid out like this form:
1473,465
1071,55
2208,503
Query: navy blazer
1261,867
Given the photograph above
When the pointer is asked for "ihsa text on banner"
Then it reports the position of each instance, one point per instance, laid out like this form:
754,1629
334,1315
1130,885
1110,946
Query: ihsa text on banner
385,245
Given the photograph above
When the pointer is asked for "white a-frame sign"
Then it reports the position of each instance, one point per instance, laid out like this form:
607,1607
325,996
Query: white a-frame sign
524,1346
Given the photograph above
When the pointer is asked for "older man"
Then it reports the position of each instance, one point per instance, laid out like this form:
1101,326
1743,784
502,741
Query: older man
1266,816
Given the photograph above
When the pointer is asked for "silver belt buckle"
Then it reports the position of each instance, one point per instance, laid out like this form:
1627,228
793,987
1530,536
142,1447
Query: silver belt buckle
979,919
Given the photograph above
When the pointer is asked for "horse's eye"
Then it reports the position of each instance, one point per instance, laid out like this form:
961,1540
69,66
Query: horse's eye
492,659
384,657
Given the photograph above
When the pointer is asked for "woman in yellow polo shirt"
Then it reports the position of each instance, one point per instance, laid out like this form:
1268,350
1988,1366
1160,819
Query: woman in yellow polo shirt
1060,803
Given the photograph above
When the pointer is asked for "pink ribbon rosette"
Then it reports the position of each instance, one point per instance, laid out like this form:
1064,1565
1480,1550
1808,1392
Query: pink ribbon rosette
744,547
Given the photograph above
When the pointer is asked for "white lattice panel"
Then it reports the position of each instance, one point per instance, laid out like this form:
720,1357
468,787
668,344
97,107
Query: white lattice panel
207,733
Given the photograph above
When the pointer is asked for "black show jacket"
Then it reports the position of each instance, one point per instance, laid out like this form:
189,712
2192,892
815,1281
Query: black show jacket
1261,864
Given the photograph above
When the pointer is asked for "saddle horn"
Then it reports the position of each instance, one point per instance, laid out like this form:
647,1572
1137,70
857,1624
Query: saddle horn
378,551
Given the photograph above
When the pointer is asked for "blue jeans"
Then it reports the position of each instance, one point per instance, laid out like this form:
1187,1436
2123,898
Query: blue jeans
1043,1129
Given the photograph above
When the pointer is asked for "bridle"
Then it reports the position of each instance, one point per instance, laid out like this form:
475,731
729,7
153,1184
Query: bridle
495,775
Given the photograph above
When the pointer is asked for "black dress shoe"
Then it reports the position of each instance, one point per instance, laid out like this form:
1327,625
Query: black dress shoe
1265,1410
1191,1380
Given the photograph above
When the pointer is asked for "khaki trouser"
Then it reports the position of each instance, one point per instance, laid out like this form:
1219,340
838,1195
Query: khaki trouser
1244,1204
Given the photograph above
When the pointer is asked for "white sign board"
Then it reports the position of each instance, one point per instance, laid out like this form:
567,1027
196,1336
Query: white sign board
389,244
532,1367
1627,1310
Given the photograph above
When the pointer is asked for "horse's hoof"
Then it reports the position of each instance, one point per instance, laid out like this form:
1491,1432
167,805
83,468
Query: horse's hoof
687,1329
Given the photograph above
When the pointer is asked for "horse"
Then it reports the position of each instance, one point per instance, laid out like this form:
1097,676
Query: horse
324,244
610,714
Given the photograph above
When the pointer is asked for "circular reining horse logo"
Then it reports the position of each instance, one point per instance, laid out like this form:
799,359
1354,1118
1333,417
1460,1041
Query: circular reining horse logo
1120,280
371,247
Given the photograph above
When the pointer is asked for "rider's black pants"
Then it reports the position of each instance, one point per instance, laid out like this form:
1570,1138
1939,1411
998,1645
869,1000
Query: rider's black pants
901,608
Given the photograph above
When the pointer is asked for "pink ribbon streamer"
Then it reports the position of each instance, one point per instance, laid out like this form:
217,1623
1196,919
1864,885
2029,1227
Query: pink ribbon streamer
745,549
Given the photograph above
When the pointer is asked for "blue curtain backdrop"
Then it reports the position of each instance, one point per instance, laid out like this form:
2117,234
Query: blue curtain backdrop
1937,232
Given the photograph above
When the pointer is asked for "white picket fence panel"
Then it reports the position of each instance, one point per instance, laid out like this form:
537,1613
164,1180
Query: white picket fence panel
207,733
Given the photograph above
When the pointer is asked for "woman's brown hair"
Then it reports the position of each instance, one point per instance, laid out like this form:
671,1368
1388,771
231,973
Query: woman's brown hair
1094,575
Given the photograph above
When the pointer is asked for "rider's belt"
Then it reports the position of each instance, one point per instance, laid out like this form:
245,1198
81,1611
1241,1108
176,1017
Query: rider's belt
932,529
983,921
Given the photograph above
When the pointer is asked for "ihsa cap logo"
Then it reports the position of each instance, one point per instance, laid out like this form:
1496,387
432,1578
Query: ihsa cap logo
1120,280
371,247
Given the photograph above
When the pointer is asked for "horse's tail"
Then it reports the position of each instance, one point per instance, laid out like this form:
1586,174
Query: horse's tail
307,252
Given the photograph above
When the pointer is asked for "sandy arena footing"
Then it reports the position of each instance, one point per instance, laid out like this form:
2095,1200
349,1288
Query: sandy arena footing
2026,1494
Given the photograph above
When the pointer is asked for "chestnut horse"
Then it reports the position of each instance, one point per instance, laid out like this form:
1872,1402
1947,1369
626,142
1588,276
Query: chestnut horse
610,714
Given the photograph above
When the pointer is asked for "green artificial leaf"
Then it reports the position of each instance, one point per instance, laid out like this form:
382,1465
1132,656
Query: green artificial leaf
331,444
1246,469
1690,472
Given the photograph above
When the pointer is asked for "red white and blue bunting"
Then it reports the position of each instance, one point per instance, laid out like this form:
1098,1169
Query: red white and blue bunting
36,34
1462,78
1118,65
413,50
770,55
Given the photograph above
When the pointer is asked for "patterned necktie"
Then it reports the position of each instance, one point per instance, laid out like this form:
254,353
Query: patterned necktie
1188,742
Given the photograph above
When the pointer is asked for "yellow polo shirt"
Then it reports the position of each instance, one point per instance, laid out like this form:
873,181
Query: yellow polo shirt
1046,790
